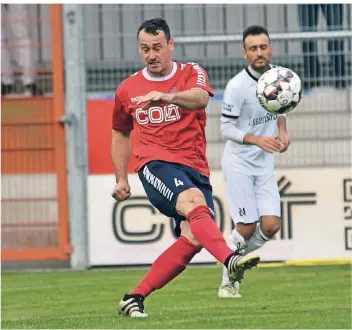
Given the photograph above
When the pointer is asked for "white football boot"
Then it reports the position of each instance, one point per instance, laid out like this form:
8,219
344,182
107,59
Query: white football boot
230,290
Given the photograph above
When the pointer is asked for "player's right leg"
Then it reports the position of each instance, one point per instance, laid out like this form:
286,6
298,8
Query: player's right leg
195,205
240,197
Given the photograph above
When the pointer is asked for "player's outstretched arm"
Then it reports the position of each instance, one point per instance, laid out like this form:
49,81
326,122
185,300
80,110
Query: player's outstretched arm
193,99
120,154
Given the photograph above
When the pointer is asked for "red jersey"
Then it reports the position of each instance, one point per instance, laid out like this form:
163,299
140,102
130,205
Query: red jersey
166,132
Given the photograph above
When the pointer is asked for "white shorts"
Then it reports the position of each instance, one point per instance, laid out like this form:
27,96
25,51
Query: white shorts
251,196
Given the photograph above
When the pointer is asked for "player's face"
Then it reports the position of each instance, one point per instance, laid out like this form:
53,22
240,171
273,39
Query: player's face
257,51
155,52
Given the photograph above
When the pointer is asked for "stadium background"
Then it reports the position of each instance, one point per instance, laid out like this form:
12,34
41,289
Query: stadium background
56,171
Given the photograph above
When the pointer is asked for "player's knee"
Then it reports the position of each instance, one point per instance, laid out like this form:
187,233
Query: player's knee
270,226
197,200
246,230
195,197
188,200
272,230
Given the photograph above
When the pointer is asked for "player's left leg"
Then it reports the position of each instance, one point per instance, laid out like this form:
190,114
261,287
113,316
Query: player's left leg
192,204
240,196
253,234
269,209
171,263
268,226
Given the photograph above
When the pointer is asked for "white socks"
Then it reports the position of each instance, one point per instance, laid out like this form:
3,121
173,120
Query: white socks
235,238
257,240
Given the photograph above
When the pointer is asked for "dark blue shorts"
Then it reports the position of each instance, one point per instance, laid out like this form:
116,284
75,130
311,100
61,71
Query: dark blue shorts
164,181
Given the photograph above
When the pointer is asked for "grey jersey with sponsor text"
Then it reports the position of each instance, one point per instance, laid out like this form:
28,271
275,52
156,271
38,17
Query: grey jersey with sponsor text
241,106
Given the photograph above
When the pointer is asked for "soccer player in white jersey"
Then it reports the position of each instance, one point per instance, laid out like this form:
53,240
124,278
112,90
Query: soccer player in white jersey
253,135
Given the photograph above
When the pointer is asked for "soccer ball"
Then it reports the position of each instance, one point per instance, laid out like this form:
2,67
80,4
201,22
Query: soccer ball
279,90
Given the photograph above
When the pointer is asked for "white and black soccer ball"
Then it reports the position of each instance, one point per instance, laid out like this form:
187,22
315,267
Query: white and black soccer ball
279,90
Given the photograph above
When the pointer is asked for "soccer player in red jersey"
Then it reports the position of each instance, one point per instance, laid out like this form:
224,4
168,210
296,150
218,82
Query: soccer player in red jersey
165,103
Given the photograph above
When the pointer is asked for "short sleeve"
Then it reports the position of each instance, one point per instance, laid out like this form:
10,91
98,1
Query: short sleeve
232,100
198,78
121,120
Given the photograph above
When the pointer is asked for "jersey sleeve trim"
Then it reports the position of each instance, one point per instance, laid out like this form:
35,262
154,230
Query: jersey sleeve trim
201,79
229,116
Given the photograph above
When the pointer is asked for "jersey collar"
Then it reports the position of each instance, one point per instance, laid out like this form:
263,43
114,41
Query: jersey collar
254,74
147,76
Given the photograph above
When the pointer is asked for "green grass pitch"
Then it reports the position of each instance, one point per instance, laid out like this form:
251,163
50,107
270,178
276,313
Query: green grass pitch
277,297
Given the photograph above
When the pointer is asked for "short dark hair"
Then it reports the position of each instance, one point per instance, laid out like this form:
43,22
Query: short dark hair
153,26
255,30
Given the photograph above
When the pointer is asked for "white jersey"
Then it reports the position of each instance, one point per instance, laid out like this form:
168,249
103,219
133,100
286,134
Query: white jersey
242,110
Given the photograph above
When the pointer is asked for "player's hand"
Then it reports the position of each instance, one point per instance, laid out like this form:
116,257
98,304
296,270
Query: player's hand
122,191
284,139
155,98
269,143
